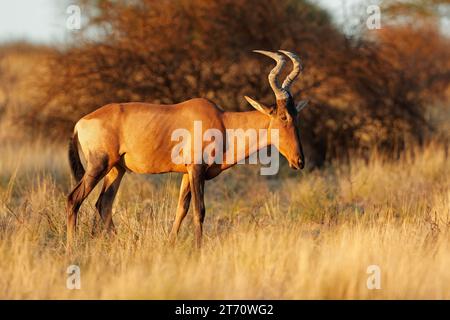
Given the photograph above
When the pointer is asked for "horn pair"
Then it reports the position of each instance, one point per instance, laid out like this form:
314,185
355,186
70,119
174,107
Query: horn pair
283,91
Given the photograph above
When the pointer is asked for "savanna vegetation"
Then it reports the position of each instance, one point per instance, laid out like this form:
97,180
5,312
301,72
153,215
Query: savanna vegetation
375,191
312,235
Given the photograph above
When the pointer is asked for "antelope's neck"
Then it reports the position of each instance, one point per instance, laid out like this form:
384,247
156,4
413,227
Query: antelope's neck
246,122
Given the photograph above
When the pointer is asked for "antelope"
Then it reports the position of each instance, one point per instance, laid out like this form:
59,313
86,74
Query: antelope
136,137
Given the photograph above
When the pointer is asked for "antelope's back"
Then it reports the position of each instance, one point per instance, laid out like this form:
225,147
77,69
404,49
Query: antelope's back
140,134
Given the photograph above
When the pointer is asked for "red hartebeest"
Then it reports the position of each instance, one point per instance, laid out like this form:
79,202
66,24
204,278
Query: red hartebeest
137,137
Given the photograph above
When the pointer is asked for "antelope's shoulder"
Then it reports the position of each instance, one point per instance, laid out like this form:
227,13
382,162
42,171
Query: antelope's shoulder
200,104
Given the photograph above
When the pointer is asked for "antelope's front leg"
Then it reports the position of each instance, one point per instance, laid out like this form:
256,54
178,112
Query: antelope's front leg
182,208
197,185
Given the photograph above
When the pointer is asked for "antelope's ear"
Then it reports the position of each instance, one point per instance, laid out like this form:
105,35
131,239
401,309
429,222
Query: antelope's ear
258,106
301,105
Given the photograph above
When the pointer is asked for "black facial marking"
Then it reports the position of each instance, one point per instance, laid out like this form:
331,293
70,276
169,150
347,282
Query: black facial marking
290,106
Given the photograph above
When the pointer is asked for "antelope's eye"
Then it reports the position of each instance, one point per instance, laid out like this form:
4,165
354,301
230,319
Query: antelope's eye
283,118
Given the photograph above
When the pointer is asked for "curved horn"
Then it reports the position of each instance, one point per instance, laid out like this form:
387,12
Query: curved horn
295,70
279,92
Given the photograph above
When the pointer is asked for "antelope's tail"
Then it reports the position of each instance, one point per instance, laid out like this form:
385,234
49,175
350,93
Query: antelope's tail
74,159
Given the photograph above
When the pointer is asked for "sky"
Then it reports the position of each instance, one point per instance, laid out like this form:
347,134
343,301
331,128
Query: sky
34,20
44,21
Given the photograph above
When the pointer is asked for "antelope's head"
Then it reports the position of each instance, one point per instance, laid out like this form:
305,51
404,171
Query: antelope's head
284,115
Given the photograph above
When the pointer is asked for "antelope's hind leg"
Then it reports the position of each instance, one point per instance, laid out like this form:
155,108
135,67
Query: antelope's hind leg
197,185
184,201
94,173
106,199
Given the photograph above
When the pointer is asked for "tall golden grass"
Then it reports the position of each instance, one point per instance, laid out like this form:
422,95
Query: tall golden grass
311,235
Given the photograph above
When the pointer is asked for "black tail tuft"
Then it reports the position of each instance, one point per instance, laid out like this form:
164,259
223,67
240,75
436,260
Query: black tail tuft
74,159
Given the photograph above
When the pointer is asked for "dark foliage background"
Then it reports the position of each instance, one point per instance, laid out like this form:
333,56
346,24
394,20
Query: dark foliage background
373,89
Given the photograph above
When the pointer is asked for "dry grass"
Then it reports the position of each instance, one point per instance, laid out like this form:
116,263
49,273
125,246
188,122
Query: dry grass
310,235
